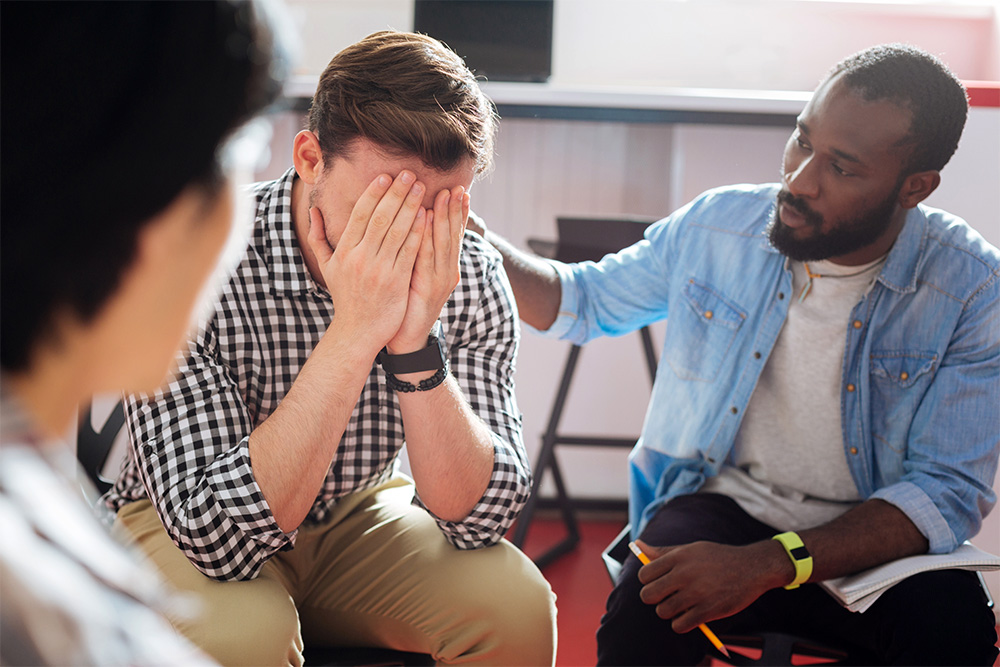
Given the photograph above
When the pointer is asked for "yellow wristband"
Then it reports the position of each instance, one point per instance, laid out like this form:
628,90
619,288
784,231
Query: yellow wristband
801,559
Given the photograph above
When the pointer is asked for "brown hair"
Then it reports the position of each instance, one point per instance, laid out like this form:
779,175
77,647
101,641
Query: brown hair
409,94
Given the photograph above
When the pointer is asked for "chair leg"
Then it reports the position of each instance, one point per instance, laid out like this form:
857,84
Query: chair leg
547,461
650,351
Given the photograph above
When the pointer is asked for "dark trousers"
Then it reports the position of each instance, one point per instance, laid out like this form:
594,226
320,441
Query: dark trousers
934,618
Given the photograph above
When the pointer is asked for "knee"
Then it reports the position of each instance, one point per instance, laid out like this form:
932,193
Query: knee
509,613
632,634
237,623
246,623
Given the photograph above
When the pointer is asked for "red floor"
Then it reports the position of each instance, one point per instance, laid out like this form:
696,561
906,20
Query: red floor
581,583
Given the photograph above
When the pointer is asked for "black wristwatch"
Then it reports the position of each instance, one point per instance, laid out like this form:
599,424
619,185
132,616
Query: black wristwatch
431,358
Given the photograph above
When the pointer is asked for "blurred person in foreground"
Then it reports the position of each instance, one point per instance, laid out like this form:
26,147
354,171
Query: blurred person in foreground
360,318
828,398
115,209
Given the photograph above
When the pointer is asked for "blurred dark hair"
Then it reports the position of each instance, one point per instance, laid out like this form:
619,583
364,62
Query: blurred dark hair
408,93
921,83
109,111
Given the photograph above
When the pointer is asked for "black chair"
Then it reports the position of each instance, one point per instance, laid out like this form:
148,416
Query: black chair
776,648
579,239
92,450
93,447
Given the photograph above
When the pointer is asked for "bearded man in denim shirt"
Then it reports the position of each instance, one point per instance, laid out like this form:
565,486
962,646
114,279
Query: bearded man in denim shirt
830,378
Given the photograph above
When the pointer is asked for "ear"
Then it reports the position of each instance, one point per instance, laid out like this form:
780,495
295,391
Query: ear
307,156
917,187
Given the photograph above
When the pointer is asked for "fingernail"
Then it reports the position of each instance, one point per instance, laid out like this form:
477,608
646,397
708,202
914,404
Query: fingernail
407,177
417,189
384,181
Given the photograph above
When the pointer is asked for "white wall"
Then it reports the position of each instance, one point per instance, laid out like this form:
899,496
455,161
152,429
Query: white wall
776,44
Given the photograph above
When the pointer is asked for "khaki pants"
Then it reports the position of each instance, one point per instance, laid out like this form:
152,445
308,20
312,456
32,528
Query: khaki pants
377,573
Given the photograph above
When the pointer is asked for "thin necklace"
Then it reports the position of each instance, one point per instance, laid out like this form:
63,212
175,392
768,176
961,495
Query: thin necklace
809,283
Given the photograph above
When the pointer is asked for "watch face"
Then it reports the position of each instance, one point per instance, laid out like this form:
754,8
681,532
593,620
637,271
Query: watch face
437,332
800,553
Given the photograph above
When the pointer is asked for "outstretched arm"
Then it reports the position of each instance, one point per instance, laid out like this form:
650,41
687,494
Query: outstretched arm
534,282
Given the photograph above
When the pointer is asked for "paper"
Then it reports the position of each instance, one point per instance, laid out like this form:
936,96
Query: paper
859,591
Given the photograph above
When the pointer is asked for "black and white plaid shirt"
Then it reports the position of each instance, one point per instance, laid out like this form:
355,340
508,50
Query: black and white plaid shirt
189,442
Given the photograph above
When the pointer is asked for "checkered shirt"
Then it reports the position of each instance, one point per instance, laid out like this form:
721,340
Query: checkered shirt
189,442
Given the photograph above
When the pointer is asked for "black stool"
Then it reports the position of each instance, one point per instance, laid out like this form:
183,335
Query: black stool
580,239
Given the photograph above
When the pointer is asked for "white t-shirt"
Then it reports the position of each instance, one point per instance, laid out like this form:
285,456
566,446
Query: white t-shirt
788,467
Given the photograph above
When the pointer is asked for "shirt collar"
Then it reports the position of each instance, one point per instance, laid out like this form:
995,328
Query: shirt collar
900,270
286,265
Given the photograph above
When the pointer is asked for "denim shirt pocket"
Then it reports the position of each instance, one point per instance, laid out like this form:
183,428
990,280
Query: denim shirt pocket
700,332
899,379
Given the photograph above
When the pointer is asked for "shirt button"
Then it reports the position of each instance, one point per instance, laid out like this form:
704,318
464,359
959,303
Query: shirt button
904,375
850,387
756,355
856,324
708,314
854,450
781,295
733,410
147,450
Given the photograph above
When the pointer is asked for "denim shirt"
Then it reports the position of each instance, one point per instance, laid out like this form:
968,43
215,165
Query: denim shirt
920,384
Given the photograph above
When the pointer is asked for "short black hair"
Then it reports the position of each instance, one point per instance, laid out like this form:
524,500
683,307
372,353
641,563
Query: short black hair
921,83
109,111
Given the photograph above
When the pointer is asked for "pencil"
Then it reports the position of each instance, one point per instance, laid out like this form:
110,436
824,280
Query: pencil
644,559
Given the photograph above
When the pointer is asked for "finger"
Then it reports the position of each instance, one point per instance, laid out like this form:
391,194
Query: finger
686,620
658,590
318,241
363,209
424,261
458,211
394,216
466,210
457,215
459,231
410,248
442,227
425,258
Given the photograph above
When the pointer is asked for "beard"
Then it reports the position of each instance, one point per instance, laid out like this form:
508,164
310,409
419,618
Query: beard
845,237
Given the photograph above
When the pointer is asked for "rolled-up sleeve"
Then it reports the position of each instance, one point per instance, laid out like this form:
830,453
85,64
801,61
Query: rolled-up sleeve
483,347
190,445
954,441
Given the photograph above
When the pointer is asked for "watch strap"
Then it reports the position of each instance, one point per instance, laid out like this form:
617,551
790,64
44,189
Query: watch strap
800,556
430,358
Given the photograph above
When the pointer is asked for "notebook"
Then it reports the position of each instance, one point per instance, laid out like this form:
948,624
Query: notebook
859,591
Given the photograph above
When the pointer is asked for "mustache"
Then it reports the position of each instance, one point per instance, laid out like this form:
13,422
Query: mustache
813,218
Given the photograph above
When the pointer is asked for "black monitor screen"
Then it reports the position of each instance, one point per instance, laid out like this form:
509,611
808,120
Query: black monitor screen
502,40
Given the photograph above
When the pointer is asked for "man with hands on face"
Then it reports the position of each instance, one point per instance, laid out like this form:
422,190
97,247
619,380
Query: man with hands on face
263,480
827,396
